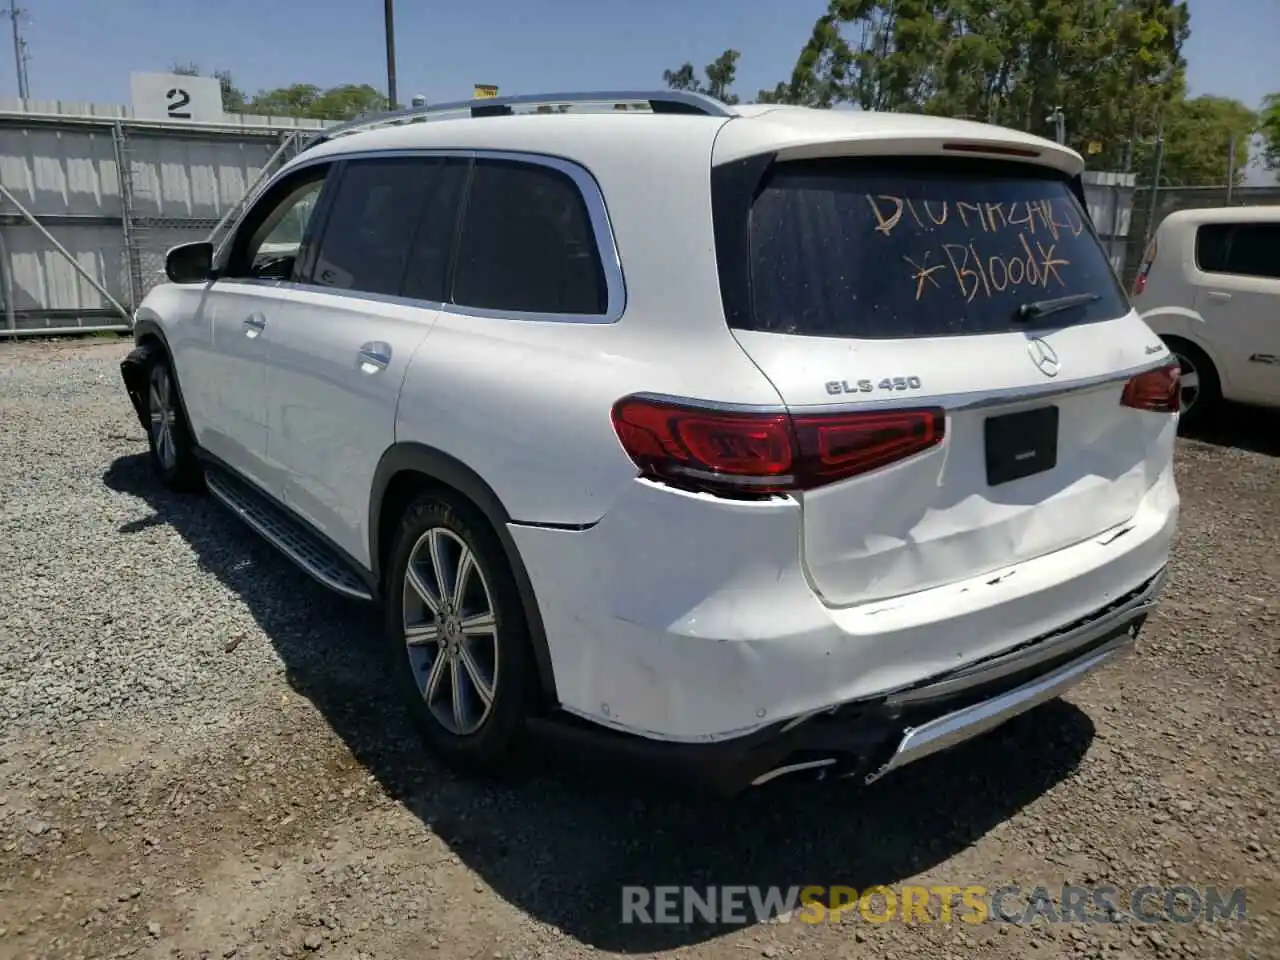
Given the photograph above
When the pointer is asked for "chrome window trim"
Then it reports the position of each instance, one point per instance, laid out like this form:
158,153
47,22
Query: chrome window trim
387,298
588,189
951,402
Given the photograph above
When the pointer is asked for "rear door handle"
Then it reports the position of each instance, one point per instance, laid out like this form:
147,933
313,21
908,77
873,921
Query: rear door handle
1221,296
374,356
254,324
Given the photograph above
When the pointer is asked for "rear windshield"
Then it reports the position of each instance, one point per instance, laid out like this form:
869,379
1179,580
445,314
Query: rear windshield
882,249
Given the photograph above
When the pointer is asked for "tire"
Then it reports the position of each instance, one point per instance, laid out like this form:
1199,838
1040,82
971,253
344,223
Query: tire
445,670
1200,404
173,458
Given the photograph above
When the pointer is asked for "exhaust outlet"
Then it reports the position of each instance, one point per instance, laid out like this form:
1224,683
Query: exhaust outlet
790,768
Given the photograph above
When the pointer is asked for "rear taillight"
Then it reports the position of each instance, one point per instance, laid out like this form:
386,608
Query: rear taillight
1156,390
729,451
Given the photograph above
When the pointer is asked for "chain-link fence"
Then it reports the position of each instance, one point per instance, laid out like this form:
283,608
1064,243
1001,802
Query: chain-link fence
90,204
1149,210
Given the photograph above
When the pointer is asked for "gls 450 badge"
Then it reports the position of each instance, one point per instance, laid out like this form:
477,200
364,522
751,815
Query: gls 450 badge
837,387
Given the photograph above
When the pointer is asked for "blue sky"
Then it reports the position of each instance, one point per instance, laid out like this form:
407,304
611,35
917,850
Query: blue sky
85,49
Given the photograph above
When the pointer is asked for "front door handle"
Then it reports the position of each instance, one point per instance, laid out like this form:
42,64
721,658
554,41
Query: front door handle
254,325
1221,296
374,357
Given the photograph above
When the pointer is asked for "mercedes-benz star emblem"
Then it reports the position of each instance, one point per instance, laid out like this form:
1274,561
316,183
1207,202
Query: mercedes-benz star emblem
1044,357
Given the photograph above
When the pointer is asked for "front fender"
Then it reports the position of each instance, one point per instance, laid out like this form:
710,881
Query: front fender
133,371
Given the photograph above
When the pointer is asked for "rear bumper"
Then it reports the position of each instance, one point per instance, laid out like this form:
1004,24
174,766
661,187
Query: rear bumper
689,619
872,737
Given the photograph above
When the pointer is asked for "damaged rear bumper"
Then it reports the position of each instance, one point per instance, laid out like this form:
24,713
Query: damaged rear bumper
872,737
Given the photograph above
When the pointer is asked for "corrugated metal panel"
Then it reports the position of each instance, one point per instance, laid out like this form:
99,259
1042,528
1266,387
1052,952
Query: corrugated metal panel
183,178
61,171
44,280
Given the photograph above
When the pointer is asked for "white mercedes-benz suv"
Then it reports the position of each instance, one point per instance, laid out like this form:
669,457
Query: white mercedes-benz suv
759,439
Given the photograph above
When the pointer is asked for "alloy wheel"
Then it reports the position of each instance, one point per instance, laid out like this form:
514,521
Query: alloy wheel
1189,383
163,417
450,631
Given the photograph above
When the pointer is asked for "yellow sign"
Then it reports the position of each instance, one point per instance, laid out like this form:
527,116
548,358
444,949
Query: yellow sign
485,91
1095,146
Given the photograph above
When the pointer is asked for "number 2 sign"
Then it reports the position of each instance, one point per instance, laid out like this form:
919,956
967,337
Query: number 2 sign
171,96
178,100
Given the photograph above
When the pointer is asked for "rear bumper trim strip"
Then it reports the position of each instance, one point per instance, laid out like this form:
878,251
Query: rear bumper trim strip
1036,651
960,725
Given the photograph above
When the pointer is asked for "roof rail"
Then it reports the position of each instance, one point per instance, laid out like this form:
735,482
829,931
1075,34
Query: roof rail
662,101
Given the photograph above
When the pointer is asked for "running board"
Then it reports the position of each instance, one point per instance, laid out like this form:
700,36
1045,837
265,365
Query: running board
286,534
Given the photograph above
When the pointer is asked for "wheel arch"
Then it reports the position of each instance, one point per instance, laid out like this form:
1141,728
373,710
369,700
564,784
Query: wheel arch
149,341
406,470
1182,323
1171,340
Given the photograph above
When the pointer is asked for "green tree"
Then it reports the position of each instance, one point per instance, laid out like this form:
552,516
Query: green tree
295,100
1111,65
720,74
233,98
1197,142
345,102
682,78
1269,127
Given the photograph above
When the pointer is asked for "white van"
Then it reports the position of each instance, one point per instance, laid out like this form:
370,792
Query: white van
1209,285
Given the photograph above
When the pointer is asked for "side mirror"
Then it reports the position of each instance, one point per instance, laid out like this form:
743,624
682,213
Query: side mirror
190,262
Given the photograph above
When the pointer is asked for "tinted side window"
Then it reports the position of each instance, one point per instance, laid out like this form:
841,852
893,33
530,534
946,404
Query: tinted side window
527,243
375,214
426,273
1255,250
1211,246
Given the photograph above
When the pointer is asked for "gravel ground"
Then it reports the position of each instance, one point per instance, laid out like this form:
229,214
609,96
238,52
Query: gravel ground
197,758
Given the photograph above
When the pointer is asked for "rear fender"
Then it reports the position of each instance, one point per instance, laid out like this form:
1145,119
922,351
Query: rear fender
434,465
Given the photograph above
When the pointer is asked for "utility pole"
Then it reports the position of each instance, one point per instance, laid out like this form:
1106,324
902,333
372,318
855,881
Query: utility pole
1155,184
390,18
1231,167
19,50
1059,121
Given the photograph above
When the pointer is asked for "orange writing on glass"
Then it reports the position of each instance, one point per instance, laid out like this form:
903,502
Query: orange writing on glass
981,272
924,273
965,209
998,273
929,213
885,223
964,273
1048,263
